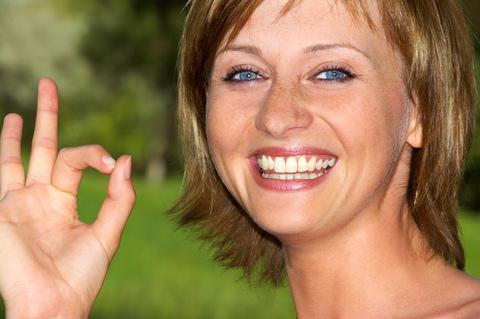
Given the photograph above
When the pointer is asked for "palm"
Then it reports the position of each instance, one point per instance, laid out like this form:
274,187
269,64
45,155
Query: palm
53,253
52,263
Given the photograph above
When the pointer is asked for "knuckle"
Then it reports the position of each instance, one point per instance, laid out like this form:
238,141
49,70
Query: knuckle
11,135
14,186
49,108
130,197
45,142
63,153
11,189
35,179
97,148
12,160
64,150
127,197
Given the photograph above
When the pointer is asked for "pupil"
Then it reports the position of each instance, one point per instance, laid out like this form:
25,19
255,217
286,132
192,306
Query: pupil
246,76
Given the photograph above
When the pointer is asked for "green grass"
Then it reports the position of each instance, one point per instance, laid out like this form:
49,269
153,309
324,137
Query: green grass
161,272
471,239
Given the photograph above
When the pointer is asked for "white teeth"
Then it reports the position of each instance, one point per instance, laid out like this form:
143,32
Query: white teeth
311,164
291,165
279,165
331,162
271,163
294,164
297,176
264,165
302,164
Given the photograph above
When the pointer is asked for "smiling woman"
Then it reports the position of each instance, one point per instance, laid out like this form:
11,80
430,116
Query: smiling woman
324,140
330,137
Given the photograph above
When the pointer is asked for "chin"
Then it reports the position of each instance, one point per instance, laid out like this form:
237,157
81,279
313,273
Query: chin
287,218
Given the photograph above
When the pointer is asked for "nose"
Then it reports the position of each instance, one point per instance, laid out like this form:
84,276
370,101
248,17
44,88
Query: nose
283,112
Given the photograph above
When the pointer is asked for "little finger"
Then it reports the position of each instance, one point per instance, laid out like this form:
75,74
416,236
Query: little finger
12,173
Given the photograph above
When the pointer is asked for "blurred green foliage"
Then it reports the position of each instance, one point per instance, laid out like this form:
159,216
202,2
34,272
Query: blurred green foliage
115,64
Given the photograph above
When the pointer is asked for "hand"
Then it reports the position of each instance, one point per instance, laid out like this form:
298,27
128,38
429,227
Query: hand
51,264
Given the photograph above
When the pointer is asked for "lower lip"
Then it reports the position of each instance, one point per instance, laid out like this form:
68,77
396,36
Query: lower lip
285,185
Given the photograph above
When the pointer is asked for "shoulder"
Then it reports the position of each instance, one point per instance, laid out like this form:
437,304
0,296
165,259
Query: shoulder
470,310
469,307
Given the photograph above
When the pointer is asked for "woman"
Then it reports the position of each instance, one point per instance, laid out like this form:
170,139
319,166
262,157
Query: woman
329,138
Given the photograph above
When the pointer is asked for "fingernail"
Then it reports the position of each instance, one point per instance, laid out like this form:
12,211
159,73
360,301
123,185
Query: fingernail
128,168
108,161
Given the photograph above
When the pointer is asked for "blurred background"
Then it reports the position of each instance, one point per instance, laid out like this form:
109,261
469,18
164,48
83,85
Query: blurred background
115,65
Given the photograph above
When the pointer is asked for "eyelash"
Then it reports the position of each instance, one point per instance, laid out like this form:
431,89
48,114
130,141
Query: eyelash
240,68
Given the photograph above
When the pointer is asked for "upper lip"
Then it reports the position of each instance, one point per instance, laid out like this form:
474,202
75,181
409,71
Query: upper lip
291,151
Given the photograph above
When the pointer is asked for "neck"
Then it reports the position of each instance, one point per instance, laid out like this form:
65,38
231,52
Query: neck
378,265
372,268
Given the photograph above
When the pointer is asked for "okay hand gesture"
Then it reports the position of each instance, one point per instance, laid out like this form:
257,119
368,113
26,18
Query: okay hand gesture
53,265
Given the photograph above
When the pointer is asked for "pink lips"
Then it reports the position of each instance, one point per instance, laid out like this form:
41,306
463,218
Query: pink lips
287,185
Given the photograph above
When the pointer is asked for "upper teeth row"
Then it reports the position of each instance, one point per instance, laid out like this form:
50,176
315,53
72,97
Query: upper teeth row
292,164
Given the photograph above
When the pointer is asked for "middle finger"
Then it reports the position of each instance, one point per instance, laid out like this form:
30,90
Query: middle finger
44,143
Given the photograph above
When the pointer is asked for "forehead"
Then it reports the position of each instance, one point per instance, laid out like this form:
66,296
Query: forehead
313,22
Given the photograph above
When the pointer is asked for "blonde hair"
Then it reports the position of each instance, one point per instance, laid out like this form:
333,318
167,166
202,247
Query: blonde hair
434,40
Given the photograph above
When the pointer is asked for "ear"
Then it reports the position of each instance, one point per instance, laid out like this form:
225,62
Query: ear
415,129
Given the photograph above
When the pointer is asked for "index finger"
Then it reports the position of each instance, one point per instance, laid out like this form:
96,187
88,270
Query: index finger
44,143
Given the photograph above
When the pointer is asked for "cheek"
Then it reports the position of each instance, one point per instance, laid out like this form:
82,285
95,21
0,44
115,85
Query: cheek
222,134
228,123
367,120
231,117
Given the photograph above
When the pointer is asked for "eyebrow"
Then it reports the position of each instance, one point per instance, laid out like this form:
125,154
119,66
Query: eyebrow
250,49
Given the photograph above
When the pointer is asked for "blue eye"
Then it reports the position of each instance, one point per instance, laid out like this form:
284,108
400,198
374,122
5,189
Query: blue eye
334,74
242,74
245,76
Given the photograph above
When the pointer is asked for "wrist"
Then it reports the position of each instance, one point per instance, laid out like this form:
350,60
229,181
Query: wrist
29,311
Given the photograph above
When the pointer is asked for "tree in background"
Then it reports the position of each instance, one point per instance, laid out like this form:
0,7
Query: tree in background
36,40
114,62
131,46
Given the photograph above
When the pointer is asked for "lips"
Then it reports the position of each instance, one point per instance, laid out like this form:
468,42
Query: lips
292,168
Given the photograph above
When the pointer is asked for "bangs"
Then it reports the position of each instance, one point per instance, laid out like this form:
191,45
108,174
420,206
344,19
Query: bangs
357,9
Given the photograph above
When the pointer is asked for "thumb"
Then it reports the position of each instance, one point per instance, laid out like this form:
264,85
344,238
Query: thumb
116,207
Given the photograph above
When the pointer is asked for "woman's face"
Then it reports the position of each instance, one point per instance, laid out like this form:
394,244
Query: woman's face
307,118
